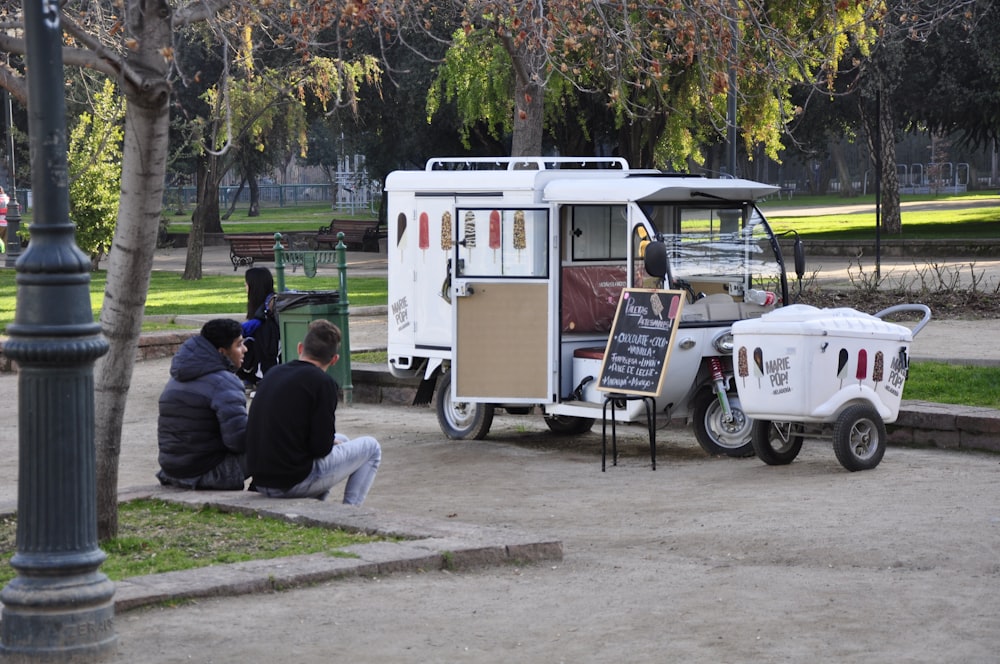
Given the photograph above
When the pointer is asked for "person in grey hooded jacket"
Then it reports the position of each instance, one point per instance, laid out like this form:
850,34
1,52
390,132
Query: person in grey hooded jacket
203,413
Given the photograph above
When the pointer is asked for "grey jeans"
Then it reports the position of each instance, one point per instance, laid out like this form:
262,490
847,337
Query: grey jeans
355,460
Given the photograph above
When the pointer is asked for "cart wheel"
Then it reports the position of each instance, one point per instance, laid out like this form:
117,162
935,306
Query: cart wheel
461,420
565,425
859,437
776,443
717,436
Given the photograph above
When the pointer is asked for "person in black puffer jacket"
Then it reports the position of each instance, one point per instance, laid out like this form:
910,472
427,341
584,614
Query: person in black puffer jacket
203,413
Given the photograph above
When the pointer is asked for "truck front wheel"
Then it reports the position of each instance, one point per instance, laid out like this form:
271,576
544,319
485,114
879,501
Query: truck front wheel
717,436
461,420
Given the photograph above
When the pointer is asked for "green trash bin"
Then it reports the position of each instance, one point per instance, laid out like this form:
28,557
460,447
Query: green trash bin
296,310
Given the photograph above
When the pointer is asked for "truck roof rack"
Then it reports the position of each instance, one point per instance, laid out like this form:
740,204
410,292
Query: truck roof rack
524,163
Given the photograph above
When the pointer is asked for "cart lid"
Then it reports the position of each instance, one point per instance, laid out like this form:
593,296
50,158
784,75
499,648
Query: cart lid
807,320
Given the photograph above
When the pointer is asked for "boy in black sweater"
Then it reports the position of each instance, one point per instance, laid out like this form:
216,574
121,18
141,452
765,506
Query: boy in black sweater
293,450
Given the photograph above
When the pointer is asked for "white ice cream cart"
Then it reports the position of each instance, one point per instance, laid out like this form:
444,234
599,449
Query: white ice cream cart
805,372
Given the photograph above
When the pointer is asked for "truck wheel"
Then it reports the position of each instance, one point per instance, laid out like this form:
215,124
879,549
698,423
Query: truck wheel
461,420
859,437
716,436
776,443
565,425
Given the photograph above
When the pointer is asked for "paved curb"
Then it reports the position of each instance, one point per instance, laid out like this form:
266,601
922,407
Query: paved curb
946,426
427,544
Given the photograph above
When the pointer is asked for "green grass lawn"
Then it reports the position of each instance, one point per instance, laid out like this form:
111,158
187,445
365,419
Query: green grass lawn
271,220
948,383
169,295
970,223
156,536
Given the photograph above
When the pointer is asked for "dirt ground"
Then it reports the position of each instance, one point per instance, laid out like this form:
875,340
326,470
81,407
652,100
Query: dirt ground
703,560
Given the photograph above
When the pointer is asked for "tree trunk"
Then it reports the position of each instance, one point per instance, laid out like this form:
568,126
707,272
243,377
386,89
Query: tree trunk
205,218
529,111
843,172
882,141
892,220
130,261
254,210
210,173
232,203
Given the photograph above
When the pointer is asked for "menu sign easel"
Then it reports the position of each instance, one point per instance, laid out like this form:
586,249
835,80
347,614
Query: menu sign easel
638,349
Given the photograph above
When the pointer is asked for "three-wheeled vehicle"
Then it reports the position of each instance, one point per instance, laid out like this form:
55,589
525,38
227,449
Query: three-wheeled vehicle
505,275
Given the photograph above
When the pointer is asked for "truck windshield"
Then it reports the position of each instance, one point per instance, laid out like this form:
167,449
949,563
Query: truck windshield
720,247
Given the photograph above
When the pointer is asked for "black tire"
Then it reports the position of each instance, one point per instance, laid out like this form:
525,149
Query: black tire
859,437
565,425
776,443
461,420
717,437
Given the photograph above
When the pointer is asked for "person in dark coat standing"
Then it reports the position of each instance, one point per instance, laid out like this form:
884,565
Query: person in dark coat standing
203,413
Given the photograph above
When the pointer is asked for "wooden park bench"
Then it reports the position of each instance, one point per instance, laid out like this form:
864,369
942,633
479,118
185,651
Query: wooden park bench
360,233
245,249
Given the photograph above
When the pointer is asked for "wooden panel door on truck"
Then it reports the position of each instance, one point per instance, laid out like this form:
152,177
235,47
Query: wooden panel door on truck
503,324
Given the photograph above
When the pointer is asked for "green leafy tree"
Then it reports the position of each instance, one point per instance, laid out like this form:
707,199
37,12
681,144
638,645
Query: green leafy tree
95,171
951,80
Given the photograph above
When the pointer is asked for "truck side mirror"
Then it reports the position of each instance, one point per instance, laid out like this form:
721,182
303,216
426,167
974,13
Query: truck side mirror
800,258
656,260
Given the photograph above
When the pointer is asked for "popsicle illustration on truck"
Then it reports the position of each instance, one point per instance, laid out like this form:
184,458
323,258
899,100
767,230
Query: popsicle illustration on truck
521,319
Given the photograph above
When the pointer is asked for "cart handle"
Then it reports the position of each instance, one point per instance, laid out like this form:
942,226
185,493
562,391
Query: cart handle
923,308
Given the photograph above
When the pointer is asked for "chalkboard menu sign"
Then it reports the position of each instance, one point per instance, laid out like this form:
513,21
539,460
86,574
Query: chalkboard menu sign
635,358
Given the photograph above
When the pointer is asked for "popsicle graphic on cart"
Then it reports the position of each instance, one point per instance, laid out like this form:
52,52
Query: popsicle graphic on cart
495,239
879,369
470,231
862,372
744,366
842,365
401,232
758,364
446,239
520,234
424,235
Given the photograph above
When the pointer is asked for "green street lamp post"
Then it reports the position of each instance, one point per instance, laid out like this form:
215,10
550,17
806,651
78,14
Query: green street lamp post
59,606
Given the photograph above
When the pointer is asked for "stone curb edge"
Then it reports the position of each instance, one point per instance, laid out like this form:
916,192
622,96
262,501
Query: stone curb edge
425,545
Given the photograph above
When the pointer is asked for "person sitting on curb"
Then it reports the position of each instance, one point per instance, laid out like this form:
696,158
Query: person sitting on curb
293,450
203,412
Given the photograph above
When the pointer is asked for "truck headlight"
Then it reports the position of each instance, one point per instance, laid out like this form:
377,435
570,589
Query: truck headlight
724,342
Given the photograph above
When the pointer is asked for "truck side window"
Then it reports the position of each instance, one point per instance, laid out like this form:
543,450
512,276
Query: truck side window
598,232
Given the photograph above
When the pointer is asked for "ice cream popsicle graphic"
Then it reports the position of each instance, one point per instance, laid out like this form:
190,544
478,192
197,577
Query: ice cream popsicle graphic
879,368
424,237
758,364
656,305
744,367
675,303
520,236
495,233
470,231
842,366
401,231
446,242
862,372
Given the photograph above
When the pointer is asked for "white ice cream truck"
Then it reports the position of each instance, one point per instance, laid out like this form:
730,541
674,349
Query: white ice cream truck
505,275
